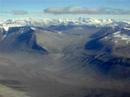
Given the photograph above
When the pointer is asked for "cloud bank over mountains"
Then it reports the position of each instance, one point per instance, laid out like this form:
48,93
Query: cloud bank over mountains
85,10
71,10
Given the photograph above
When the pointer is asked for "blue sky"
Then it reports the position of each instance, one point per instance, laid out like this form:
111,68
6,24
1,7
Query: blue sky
24,8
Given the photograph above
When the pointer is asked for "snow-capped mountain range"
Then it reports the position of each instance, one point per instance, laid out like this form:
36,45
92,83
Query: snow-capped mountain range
6,24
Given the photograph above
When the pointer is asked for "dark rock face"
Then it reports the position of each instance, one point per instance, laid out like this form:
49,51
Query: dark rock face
109,58
20,39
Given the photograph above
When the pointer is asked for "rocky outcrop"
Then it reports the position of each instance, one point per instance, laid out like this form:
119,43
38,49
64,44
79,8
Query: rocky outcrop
19,39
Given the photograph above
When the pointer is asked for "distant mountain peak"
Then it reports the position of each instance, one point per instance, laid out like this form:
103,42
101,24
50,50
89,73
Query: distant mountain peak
47,22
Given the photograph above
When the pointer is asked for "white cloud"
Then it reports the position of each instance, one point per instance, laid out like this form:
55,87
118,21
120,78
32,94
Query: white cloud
84,10
19,12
